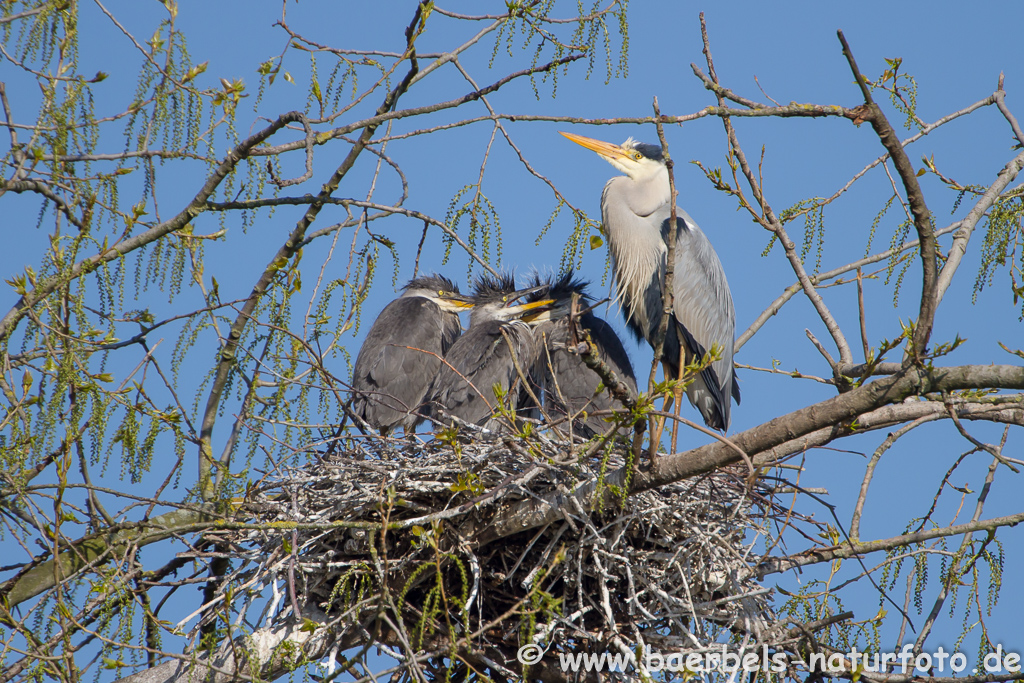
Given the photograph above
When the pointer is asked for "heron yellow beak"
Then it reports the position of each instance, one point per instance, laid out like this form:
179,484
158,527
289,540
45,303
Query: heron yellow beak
530,305
606,149
529,309
456,302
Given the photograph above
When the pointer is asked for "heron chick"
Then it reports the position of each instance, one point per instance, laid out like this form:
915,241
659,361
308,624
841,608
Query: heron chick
402,352
637,216
481,365
568,385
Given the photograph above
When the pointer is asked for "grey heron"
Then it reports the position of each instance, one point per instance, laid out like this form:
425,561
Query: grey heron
636,213
499,335
569,385
402,352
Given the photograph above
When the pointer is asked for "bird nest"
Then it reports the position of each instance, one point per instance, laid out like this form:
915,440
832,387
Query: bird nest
410,546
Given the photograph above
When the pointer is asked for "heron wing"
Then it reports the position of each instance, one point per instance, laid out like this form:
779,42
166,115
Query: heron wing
570,385
611,349
637,218
476,362
705,315
399,359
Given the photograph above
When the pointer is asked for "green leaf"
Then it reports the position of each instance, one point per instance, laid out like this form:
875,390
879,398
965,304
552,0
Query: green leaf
194,71
595,241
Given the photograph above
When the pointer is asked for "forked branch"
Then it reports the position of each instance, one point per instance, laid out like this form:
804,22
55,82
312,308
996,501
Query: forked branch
872,113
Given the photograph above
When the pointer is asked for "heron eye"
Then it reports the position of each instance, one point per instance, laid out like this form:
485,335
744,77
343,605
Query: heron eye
440,292
638,156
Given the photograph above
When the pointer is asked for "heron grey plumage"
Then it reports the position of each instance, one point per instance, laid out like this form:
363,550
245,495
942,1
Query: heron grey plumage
637,216
569,386
482,358
402,352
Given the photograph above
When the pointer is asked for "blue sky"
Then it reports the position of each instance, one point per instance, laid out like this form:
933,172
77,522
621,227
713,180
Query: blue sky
955,56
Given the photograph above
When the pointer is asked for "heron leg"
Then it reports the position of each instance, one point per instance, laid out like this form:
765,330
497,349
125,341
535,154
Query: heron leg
659,421
678,396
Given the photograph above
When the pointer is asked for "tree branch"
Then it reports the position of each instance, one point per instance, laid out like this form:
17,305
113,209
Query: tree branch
852,549
826,415
792,290
227,355
112,546
116,251
970,221
872,113
769,220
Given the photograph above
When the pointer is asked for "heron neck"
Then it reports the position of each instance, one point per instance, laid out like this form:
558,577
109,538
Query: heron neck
649,193
633,212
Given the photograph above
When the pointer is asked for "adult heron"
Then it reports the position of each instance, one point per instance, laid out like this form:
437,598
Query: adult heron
485,357
403,350
569,386
636,212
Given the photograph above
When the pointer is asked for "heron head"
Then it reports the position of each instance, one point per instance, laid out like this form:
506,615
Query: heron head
534,310
559,291
496,298
638,160
441,291
559,288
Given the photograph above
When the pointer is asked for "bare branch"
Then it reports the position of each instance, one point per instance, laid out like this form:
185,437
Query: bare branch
872,113
768,219
21,15
793,289
284,255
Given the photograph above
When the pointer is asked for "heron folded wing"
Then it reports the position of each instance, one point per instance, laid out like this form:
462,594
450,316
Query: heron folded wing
398,360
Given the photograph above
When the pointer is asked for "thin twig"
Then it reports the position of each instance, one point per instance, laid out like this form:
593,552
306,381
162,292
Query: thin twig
667,284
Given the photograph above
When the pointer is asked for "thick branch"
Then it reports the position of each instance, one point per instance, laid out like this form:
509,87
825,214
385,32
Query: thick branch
1009,412
114,546
915,197
834,411
267,654
824,415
